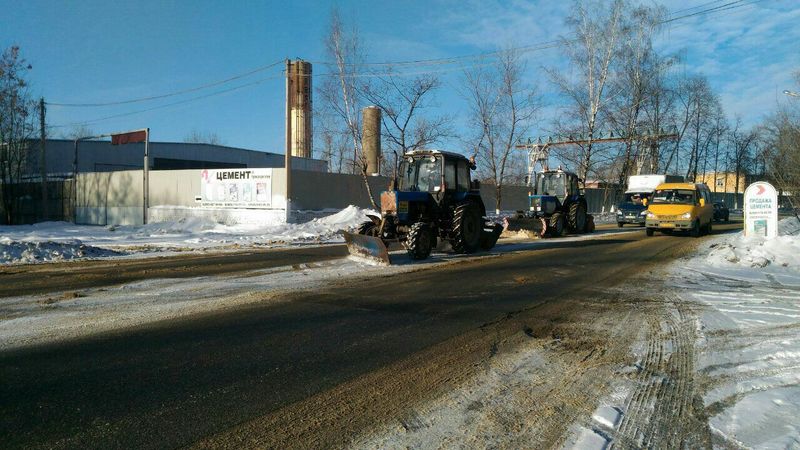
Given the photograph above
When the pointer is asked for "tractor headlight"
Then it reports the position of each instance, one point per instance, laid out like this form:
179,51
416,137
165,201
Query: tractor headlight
650,215
687,215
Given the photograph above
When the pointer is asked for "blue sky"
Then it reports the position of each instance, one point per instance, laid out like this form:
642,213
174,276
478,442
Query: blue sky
101,51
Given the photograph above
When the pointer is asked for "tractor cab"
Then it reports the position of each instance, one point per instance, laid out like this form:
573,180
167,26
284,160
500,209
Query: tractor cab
429,181
556,183
434,172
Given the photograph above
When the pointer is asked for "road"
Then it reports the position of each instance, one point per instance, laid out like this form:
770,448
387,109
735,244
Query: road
324,366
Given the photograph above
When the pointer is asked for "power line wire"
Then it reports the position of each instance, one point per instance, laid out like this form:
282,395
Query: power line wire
180,102
171,94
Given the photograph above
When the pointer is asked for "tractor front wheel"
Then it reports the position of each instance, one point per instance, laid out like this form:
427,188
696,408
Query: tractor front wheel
419,241
369,228
467,226
556,225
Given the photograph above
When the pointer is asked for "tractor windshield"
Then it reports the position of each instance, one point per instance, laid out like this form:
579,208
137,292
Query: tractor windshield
423,174
552,183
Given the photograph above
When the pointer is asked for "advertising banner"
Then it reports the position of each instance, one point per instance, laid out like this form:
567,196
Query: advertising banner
761,210
236,188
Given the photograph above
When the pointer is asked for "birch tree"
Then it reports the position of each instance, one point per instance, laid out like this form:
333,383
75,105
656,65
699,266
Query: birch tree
591,49
340,92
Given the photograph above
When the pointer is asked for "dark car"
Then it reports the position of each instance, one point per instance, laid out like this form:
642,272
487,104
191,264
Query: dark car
721,212
633,209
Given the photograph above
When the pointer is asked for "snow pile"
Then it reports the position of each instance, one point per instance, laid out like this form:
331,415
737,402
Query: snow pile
57,241
740,251
48,251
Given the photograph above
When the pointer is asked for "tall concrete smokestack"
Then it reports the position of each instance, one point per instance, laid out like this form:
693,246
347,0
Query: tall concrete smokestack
299,107
371,139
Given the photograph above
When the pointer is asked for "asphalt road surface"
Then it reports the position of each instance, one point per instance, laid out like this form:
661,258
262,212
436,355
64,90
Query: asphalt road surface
310,372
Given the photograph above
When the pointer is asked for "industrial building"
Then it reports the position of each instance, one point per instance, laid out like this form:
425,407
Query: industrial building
101,156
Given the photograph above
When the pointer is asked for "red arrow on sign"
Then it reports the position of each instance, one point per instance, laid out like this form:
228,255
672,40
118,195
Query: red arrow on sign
761,189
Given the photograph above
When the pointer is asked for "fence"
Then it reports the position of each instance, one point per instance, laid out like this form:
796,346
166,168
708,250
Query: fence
28,207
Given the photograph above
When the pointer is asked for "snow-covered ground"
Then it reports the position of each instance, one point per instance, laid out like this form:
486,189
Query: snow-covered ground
748,349
729,335
58,241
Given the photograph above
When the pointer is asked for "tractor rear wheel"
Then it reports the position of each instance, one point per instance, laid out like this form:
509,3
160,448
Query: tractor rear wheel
467,226
556,225
419,241
576,221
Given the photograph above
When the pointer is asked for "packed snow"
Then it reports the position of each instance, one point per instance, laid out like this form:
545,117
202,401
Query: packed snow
59,241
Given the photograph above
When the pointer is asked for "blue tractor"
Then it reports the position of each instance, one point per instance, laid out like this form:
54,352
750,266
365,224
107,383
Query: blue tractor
557,205
432,198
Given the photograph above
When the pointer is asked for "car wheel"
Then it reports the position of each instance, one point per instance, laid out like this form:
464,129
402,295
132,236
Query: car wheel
649,231
620,224
695,231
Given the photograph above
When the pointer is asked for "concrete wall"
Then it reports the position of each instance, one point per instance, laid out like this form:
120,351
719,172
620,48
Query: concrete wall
315,190
106,198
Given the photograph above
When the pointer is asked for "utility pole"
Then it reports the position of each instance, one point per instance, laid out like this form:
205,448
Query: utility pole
288,163
43,160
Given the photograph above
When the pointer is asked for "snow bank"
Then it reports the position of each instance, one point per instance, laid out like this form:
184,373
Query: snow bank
741,251
58,241
48,251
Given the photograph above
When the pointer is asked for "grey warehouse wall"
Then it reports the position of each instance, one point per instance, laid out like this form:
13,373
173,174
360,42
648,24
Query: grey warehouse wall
106,198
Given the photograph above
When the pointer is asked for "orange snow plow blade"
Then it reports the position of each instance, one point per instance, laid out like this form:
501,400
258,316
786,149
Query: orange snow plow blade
368,248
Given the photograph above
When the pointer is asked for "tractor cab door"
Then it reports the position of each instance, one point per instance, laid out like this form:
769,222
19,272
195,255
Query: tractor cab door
451,182
574,189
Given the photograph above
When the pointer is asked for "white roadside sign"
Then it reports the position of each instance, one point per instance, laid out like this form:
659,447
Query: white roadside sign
236,188
761,210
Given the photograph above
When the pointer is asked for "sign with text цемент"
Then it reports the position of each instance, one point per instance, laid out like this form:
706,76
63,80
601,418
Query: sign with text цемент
236,188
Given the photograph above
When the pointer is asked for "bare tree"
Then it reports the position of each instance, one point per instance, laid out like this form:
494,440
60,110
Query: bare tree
199,137
782,156
596,27
658,113
636,70
340,93
76,132
741,145
403,103
695,107
17,127
502,107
